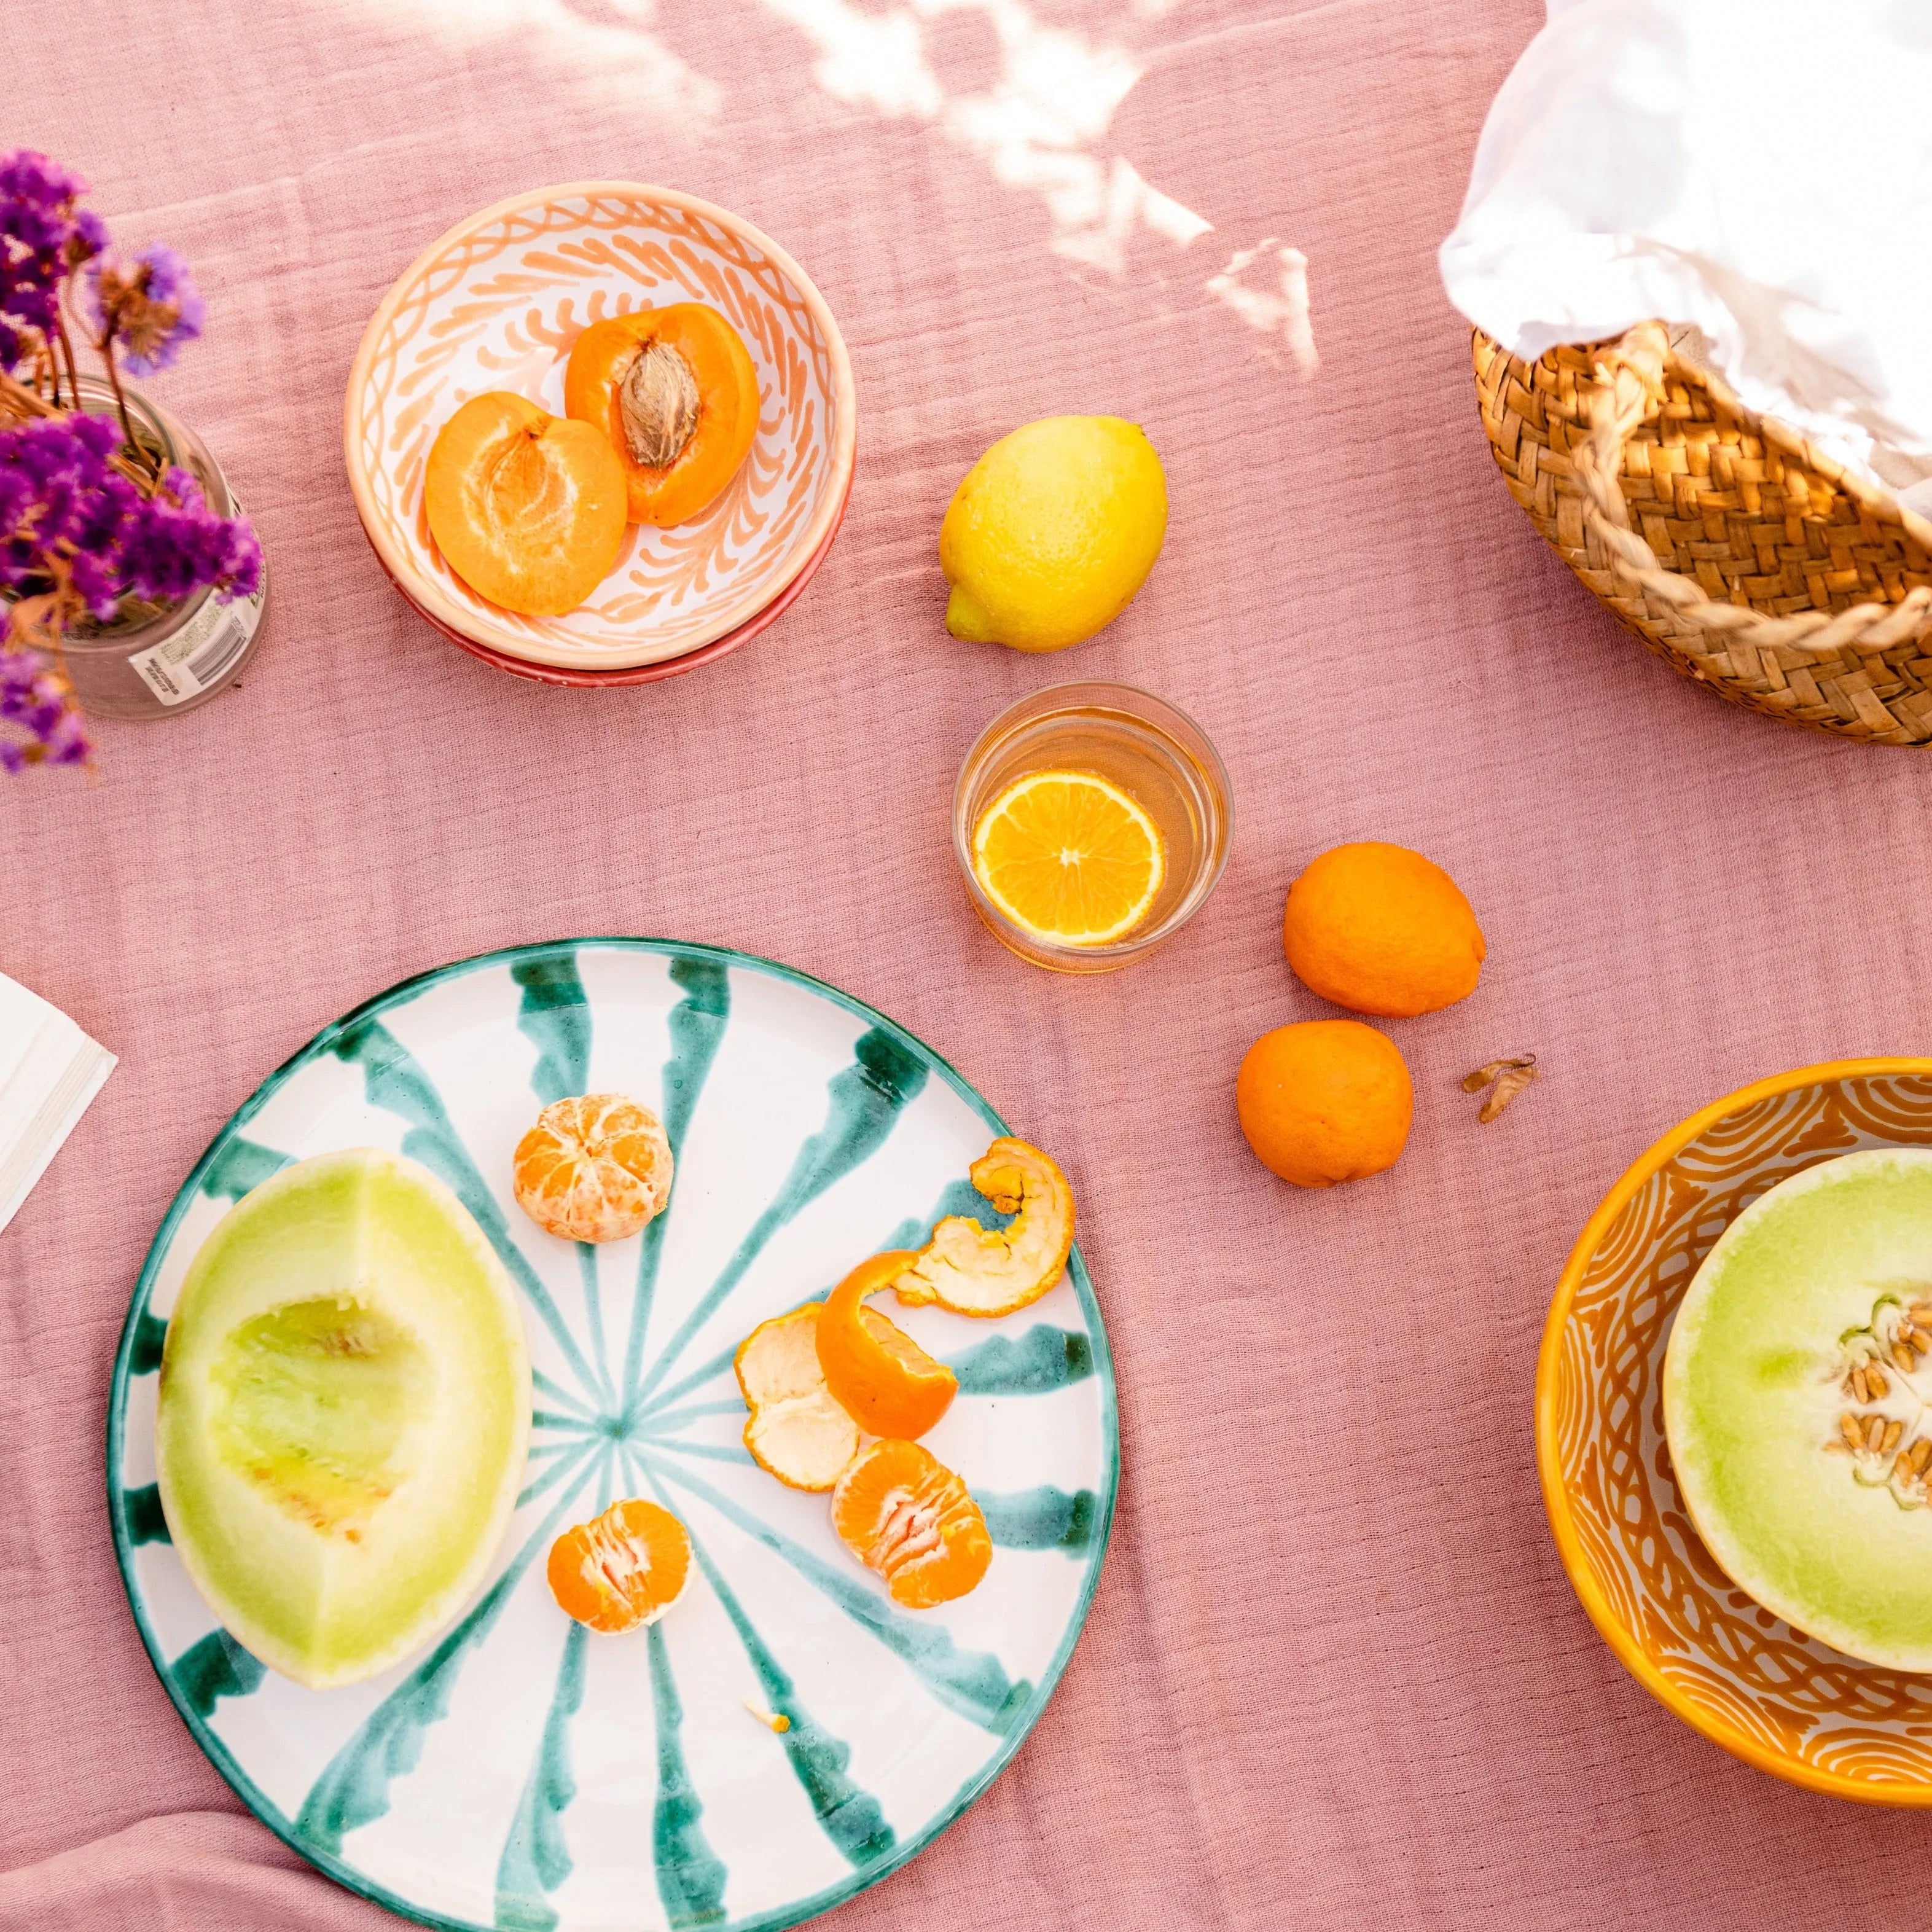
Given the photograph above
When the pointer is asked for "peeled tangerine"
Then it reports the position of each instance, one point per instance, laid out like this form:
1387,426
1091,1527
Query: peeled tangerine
675,391
975,1270
902,1513
1795,1389
623,1569
596,1167
798,1431
344,1407
877,1372
527,508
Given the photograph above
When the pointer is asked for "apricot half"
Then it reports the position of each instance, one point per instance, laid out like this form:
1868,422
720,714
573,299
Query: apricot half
675,391
527,508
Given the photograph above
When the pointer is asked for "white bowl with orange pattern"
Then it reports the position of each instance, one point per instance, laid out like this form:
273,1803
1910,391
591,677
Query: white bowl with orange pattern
496,303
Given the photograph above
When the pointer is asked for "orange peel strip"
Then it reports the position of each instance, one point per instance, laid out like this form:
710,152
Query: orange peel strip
877,1372
797,1432
971,1270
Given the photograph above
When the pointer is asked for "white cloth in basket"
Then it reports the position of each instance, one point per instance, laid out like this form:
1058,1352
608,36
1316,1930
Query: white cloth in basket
1756,173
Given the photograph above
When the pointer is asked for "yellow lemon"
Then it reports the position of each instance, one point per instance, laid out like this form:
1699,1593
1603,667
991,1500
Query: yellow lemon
1052,533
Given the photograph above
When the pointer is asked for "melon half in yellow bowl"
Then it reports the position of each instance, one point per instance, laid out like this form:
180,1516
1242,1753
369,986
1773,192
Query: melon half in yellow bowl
497,303
1769,1694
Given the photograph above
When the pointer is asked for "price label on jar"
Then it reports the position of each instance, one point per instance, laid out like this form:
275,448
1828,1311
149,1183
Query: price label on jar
198,655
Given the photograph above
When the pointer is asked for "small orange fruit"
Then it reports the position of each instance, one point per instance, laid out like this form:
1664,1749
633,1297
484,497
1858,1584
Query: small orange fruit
526,507
797,1432
901,1512
1325,1101
595,1168
1380,929
624,1568
880,1376
1069,857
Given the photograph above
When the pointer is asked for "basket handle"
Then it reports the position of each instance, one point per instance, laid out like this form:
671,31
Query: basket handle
1629,388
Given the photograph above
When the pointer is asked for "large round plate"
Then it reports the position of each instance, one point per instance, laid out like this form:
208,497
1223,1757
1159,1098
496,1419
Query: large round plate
522,1772
497,303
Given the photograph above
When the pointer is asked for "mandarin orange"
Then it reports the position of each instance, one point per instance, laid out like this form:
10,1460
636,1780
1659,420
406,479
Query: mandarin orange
1380,929
902,1513
1325,1101
623,1569
596,1167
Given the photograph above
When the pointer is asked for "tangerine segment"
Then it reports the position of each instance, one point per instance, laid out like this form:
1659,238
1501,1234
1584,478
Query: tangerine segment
969,1269
880,1376
596,1167
624,1568
797,1432
527,508
901,1512
1070,857
674,467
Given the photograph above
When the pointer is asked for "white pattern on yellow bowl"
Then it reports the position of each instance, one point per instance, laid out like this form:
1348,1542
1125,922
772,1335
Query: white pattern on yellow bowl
496,303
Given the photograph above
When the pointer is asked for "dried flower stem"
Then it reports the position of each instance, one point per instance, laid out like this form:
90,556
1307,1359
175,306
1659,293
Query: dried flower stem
23,401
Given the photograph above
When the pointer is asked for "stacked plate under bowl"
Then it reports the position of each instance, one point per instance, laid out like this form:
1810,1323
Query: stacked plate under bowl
496,303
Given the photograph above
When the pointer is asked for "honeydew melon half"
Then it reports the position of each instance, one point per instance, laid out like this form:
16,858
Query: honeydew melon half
1796,1387
344,1410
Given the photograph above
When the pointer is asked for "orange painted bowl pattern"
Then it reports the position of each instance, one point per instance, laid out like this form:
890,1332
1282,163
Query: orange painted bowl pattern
496,303
1768,1693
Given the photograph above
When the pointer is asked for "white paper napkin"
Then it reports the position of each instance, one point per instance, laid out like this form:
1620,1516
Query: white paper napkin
50,1070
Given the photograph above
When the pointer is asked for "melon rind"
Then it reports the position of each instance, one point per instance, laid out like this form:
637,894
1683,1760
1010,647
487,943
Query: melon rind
381,1232
1751,1396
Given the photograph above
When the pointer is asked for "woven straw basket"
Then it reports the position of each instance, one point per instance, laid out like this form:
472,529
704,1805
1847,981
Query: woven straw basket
1741,555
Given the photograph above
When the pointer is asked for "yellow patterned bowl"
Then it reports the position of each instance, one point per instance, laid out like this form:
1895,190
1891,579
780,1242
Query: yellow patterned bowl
496,303
1768,1694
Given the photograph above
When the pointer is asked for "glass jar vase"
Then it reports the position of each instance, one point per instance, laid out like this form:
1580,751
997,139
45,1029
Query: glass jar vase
159,664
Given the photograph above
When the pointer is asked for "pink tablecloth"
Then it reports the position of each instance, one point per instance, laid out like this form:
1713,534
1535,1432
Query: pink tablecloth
1334,1675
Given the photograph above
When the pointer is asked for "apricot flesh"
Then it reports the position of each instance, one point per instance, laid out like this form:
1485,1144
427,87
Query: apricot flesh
715,359
528,508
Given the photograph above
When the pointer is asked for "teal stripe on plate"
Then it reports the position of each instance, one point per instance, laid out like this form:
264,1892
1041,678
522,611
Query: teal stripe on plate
974,1683
864,1104
1044,1359
696,1026
214,1668
1042,1519
690,1876
536,1859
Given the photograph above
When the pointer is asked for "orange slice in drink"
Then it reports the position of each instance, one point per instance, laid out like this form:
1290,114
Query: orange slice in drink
624,1568
880,1376
797,1432
901,1512
1070,857
595,1168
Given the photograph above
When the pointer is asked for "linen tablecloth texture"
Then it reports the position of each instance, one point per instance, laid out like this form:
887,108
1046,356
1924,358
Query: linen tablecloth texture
1334,1675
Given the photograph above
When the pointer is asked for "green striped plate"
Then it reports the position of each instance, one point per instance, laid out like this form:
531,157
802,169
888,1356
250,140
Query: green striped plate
523,1772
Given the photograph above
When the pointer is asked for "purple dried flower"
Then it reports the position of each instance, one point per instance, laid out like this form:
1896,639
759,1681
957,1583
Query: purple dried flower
77,536
42,238
147,303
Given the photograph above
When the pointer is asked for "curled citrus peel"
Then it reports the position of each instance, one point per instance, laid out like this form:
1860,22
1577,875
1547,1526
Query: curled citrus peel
624,1568
596,1167
797,1432
903,1513
974,1271
877,1372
